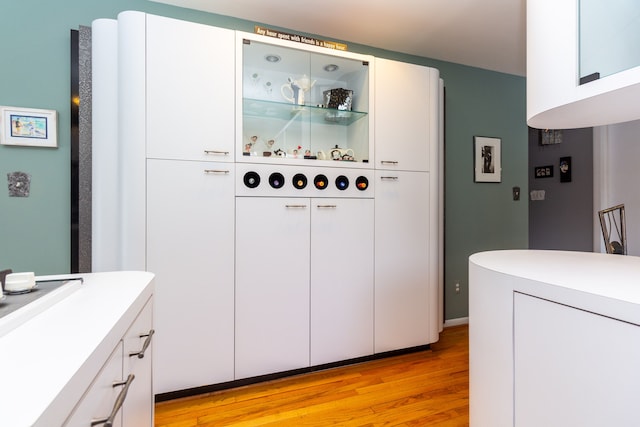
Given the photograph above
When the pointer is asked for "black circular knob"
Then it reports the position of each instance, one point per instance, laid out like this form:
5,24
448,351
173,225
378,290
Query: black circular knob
251,179
299,181
276,180
342,182
362,183
320,181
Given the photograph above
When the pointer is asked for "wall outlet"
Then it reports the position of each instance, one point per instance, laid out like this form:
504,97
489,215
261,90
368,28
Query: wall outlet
457,287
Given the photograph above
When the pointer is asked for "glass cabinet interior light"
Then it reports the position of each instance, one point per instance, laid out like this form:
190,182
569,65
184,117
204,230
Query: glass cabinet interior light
331,67
272,58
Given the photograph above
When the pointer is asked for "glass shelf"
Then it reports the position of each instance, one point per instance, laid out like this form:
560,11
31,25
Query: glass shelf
286,111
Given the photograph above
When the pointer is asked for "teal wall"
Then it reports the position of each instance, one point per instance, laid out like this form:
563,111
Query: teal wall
35,231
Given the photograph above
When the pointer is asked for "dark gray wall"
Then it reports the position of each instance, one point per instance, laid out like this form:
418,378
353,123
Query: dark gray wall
564,220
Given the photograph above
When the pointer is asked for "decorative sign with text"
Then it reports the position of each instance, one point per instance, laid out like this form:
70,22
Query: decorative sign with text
298,38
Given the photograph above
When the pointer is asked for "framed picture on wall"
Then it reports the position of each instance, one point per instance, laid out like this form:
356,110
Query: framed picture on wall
487,159
28,127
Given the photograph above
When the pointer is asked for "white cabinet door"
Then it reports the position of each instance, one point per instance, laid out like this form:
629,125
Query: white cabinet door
272,285
406,115
190,90
573,367
190,216
138,408
99,400
402,258
341,279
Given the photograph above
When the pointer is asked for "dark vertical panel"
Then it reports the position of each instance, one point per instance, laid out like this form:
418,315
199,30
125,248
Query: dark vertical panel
75,102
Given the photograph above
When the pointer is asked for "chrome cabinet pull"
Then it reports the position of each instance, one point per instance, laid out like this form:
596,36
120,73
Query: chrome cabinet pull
224,153
108,422
388,162
389,178
295,206
327,206
145,345
216,171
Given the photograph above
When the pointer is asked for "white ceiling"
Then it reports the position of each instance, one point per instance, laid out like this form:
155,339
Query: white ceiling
488,34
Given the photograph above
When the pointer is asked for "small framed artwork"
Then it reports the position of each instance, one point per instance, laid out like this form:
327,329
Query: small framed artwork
565,169
543,171
488,166
28,127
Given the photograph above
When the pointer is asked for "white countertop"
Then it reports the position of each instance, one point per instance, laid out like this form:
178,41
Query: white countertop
46,364
603,283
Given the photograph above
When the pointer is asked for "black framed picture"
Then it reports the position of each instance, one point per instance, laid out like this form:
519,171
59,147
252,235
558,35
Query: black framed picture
565,169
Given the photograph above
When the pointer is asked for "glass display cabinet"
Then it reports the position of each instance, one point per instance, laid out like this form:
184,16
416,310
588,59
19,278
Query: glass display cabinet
302,104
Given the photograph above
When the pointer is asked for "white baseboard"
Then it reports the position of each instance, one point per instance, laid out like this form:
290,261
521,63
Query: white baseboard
456,322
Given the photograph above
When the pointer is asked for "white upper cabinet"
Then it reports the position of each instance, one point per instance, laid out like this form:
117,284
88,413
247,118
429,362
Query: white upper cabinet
301,104
406,115
190,90
555,97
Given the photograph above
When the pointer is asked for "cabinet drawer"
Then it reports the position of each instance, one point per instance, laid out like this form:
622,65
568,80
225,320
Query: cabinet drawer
99,400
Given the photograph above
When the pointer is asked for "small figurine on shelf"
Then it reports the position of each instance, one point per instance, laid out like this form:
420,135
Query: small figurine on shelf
249,145
308,155
280,153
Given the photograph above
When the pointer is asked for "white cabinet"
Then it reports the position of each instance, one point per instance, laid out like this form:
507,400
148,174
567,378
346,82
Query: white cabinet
341,279
121,392
272,285
304,282
300,102
190,235
98,402
190,92
138,356
190,115
252,283
573,367
402,254
407,250
406,125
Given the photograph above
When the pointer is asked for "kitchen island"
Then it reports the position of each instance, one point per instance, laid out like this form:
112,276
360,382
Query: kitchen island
58,368
554,339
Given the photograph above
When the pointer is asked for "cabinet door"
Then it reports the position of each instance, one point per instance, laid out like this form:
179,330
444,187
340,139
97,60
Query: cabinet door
406,115
402,258
99,400
272,285
190,90
190,238
138,408
341,279
573,367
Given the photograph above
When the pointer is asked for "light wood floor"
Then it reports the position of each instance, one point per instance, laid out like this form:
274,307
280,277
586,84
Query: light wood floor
428,388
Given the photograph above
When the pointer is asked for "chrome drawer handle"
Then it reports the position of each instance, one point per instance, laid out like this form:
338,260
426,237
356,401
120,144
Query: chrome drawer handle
327,206
108,422
388,162
216,171
224,153
145,345
389,178
296,206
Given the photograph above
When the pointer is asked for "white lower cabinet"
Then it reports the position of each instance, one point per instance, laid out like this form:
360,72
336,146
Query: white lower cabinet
121,394
138,344
272,285
402,291
341,279
98,402
190,234
304,282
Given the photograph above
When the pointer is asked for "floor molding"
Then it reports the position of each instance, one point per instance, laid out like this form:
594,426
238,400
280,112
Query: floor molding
456,322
